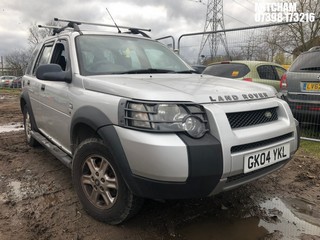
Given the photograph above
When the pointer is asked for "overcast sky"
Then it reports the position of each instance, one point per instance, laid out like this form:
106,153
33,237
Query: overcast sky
164,17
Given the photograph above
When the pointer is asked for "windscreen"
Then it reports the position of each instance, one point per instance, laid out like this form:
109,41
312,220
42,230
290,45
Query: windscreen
102,54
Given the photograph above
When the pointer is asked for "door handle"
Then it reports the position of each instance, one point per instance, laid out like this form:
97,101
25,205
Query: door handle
43,87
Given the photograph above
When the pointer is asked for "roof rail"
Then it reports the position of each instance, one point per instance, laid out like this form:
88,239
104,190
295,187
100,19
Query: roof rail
75,24
54,28
316,48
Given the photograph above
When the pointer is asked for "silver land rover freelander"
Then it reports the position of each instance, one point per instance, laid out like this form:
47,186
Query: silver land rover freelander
134,121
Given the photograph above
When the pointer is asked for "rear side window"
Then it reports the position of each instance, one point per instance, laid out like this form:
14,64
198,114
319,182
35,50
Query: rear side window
306,62
280,71
267,72
228,70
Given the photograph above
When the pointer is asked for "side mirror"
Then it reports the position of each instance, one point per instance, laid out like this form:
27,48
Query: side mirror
53,72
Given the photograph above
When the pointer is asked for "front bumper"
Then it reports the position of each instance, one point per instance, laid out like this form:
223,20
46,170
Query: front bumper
305,107
176,166
172,166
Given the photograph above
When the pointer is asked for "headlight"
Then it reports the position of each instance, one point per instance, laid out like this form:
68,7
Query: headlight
164,117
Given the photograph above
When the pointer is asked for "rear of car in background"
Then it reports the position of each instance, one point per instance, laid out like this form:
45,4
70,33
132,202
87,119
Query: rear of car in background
6,81
253,71
301,86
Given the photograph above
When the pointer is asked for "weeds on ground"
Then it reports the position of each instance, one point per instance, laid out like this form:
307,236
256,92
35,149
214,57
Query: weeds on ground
311,147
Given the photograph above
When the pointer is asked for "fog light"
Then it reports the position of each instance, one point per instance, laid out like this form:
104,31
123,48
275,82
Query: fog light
194,127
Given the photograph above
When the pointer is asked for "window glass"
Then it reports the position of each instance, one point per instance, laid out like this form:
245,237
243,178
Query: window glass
44,57
60,54
266,72
228,70
98,54
280,71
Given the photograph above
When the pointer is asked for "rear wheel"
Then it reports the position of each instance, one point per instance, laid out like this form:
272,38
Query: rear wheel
28,127
99,185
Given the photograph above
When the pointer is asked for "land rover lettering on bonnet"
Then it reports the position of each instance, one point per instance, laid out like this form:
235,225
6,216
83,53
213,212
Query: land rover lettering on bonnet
238,97
132,121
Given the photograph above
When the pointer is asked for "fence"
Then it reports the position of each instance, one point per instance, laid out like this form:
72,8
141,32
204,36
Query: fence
255,43
10,71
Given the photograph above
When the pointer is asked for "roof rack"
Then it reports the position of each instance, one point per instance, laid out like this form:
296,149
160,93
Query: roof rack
75,25
58,29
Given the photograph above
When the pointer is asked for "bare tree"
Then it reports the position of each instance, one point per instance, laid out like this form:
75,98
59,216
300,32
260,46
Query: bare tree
298,37
18,61
37,34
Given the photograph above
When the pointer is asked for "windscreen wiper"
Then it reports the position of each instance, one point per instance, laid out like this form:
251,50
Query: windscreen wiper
147,70
310,69
187,71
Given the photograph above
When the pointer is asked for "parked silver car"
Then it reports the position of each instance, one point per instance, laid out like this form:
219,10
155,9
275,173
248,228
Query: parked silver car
301,86
132,120
6,81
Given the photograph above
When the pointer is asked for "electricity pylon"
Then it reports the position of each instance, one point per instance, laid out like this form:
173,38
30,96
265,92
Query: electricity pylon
214,22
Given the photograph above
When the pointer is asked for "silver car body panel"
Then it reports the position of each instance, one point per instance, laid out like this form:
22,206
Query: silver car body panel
154,155
177,87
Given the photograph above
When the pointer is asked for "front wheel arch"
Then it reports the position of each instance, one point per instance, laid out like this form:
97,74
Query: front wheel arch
94,166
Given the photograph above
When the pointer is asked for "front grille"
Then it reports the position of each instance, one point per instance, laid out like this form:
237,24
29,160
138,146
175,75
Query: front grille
250,118
254,145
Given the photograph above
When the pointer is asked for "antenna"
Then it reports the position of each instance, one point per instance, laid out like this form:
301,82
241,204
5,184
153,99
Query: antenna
119,31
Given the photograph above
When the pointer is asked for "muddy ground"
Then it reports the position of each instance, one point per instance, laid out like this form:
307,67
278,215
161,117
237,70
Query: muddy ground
37,201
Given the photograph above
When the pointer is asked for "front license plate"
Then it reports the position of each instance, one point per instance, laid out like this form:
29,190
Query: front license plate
267,157
310,87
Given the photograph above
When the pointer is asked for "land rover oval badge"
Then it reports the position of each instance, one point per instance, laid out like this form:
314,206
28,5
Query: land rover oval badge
268,114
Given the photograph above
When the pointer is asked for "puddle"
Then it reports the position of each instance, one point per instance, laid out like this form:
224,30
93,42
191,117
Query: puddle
3,198
298,216
11,127
290,218
16,190
210,229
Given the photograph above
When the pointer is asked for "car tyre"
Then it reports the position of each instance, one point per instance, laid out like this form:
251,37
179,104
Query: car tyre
99,184
28,127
